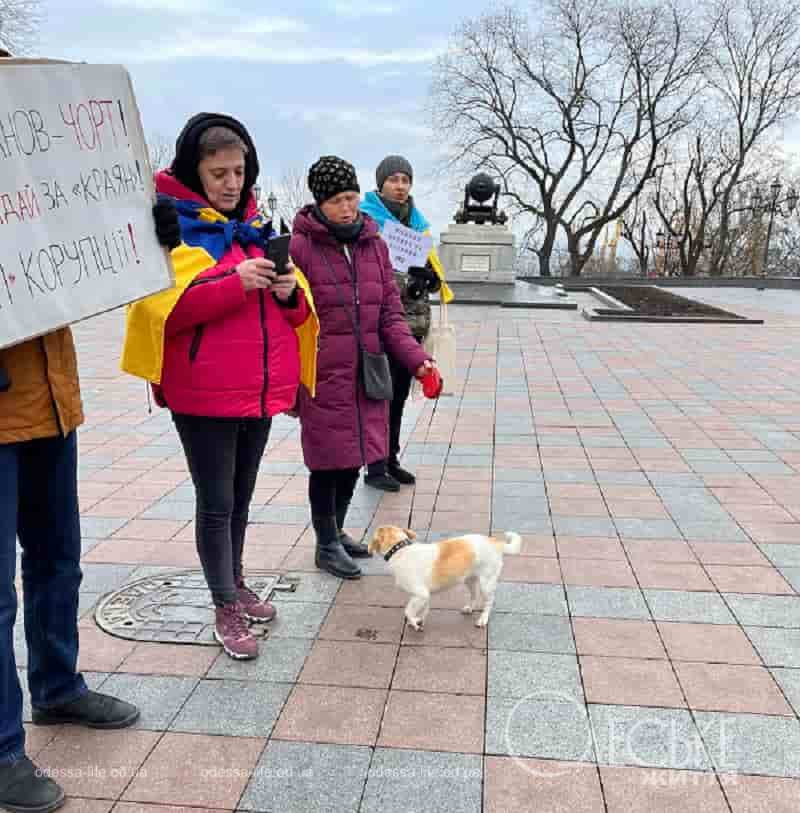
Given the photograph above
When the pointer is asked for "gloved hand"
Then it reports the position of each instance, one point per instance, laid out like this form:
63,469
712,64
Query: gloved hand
434,283
425,278
168,227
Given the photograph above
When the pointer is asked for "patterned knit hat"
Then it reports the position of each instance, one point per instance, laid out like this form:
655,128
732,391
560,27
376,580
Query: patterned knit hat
330,176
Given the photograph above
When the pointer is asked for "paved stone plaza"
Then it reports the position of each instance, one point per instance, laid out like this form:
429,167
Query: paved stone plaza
644,651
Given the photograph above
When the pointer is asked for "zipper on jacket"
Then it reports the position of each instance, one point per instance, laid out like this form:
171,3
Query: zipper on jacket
194,348
229,273
263,311
50,388
351,259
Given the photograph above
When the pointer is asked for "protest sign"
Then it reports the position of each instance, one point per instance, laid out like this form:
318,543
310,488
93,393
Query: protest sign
76,197
407,247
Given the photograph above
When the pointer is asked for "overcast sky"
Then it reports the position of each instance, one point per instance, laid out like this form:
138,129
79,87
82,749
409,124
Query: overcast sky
308,77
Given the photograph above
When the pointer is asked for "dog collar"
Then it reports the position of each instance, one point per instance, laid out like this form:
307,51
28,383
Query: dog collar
399,546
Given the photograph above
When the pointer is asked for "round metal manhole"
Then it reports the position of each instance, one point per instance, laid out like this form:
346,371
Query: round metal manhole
174,608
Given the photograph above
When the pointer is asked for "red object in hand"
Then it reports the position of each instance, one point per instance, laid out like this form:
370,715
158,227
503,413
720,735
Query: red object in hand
432,383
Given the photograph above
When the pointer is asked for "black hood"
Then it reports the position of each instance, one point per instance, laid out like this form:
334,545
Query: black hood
187,150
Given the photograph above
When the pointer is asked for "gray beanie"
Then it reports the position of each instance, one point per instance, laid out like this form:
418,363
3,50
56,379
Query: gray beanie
390,165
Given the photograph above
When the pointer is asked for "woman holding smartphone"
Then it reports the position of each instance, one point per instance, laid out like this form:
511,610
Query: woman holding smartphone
230,360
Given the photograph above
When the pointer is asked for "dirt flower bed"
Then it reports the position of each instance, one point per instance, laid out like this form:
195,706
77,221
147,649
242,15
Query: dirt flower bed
648,300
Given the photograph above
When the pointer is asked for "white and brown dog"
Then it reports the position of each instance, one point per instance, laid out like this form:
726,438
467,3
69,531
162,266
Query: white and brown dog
420,569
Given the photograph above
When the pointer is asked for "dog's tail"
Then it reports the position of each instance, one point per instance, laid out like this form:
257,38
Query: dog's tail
513,543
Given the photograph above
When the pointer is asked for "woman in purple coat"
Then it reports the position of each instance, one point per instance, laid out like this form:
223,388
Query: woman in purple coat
347,265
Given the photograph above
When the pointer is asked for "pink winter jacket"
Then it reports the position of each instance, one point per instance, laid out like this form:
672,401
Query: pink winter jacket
228,353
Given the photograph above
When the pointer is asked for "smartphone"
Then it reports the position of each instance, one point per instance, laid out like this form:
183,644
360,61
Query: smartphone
278,252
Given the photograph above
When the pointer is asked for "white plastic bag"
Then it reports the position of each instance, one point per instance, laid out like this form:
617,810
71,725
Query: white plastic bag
441,344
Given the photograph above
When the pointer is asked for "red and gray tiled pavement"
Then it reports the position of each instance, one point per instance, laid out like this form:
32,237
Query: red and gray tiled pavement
644,650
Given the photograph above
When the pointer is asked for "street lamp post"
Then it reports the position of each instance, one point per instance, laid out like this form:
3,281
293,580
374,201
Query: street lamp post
772,206
272,203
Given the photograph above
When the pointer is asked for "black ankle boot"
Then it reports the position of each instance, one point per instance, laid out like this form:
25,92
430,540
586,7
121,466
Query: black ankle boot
26,789
383,482
330,554
357,550
403,476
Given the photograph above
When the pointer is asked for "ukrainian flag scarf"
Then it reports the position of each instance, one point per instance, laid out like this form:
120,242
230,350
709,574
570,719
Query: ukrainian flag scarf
207,236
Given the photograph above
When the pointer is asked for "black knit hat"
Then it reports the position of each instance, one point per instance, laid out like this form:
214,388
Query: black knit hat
331,175
391,165
187,152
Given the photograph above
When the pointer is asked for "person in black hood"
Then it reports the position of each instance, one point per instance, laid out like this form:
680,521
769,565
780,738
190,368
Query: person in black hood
230,359
190,146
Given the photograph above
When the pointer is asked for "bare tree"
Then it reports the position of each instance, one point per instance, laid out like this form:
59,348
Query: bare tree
19,22
161,151
637,232
752,87
292,193
570,108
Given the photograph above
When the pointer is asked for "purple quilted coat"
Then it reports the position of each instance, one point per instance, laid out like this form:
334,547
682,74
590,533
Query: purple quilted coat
341,428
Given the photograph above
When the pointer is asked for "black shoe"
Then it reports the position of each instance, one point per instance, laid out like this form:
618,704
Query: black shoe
357,550
330,555
26,789
93,710
405,478
383,482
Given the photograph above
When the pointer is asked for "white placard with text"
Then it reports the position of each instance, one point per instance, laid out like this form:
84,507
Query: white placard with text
407,247
76,197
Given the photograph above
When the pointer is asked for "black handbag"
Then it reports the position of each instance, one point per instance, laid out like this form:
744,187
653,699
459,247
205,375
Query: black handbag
373,368
376,376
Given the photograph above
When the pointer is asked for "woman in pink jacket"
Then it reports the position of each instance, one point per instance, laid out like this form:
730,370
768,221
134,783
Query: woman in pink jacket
231,358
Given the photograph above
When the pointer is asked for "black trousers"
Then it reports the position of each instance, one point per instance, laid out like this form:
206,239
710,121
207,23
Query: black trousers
401,386
223,456
330,492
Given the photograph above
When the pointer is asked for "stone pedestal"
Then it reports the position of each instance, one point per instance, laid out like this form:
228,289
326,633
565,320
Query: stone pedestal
473,253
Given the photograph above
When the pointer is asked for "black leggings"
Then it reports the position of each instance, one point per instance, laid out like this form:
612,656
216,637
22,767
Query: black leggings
401,389
330,492
223,456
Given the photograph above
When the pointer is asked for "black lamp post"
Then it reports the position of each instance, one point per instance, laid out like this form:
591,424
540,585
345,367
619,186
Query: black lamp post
666,242
772,206
272,203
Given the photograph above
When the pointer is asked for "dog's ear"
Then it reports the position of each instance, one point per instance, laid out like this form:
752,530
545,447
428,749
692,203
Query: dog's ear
377,540
410,534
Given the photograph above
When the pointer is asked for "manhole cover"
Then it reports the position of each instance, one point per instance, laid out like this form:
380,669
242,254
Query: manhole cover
174,608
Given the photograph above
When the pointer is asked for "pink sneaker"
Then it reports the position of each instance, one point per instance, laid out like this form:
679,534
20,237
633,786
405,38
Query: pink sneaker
254,608
232,632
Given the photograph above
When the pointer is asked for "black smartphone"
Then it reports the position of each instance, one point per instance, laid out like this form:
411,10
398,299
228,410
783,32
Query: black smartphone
278,252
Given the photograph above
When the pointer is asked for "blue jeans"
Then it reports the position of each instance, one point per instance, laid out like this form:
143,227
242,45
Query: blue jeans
39,504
